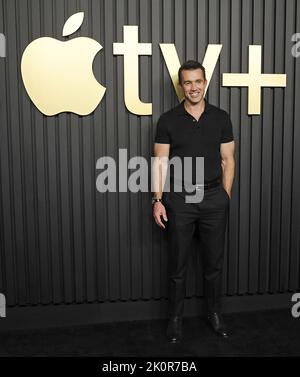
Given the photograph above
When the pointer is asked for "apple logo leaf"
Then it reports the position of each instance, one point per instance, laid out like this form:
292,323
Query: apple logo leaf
73,23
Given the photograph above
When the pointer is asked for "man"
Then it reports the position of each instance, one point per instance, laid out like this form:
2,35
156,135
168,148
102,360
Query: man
194,129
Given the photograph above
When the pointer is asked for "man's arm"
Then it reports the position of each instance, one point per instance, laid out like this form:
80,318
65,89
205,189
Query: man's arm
228,165
160,167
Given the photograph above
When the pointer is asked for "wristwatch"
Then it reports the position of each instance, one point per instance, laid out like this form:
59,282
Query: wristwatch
155,200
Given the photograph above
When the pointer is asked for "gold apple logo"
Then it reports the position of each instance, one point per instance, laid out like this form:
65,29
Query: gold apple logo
58,76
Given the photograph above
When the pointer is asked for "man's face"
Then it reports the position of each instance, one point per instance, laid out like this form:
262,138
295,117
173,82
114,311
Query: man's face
193,85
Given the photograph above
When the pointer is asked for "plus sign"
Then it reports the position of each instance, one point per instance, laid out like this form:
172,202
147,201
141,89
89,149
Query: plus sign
254,80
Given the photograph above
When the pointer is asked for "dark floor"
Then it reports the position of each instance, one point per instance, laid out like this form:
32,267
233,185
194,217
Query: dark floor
268,333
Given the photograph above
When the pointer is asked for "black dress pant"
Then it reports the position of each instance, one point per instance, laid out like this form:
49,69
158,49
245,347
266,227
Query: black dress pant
210,217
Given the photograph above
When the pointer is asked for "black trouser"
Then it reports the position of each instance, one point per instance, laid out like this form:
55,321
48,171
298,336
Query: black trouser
210,216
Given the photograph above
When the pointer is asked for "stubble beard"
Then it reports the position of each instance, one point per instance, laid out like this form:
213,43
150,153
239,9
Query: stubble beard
195,100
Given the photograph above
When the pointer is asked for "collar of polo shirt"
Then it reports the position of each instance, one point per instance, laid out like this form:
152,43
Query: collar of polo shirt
182,111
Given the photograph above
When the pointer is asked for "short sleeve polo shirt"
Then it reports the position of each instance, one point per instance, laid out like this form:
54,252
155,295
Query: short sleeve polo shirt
191,138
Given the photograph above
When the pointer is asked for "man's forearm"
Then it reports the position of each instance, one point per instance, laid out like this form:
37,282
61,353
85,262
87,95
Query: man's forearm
228,167
160,167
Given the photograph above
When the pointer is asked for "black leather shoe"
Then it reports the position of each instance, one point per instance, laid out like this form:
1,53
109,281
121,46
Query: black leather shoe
217,324
174,330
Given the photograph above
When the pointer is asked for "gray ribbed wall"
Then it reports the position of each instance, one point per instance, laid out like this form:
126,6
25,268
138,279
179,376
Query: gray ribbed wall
62,241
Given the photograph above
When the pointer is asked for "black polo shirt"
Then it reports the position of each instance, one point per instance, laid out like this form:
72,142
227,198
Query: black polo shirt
191,138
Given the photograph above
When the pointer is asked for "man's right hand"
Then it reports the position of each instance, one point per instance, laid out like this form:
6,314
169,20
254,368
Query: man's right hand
158,212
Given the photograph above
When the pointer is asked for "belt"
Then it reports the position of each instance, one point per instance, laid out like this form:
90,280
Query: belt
198,187
208,185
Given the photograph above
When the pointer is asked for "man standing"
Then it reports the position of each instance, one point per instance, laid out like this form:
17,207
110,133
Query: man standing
194,129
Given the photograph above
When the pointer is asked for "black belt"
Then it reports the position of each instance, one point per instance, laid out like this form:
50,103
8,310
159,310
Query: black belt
208,185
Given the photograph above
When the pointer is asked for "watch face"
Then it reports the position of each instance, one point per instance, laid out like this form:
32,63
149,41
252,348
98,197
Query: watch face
155,200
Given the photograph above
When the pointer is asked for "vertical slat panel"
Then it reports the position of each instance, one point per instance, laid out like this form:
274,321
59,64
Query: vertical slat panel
267,124
40,129
295,237
224,104
8,254
75,134
235,53
88,179
278,66
179,26
111,150
134,150
190,24
17,194
2,120
146,151
157,105
245,156
123,130
287,157
65,177
285,220
28,166
213,37
202,27
98,18
191,53
167,26
256,154
51,123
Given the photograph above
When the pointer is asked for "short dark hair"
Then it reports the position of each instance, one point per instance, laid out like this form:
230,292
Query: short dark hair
190,65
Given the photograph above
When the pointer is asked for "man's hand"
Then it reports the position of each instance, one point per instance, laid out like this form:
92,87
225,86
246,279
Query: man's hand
158,212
